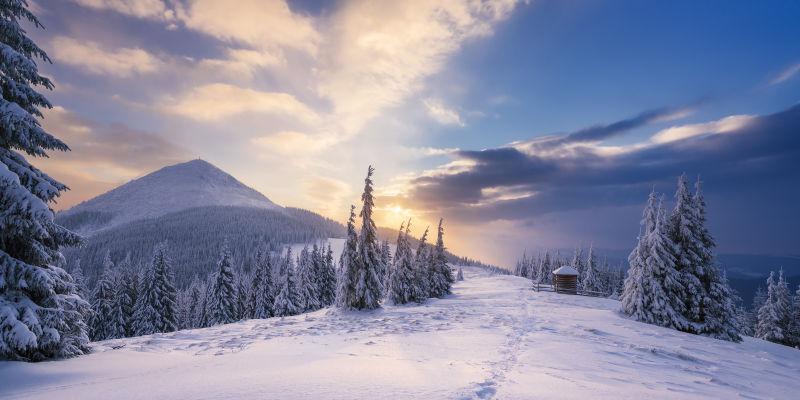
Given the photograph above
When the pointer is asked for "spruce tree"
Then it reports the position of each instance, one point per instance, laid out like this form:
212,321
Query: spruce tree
577,263
386,261
684,232
460,275
772,313
287,301
243,309
263,290
402,279
41,315
592,277
327,278
165,291
652,289
102,323
795,318
80,280
441,277
222,305
348,266
120,314
720,320
307,289
421,290
369,288
126,288
544,269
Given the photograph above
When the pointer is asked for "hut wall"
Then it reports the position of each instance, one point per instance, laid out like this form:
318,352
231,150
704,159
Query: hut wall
565,284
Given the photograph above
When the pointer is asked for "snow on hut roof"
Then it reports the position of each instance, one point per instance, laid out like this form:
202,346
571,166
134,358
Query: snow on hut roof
566,270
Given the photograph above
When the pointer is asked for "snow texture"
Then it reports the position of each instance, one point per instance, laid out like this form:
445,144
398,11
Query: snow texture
492,338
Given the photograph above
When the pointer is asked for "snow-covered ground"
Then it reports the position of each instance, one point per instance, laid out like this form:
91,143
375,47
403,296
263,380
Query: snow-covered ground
492,338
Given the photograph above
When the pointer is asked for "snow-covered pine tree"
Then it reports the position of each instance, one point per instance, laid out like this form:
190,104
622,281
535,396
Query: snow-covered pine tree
126,286
759,298
796,318
307,289
287,301
652,289
327,277
263,290
243,309
102,323
577,262
166,293
720,315
222,306
41,316
120,313
421,290
544,269
369,288
194,301
79,279
348,265
401,279
143,309
683,231
592,280
441,277
386,260
772,313
460,275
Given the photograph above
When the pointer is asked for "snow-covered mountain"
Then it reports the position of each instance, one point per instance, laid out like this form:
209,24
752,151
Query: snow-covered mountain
192,184
194,207
493,338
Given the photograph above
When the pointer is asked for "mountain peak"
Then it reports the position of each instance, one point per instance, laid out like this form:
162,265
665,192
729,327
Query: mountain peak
195,183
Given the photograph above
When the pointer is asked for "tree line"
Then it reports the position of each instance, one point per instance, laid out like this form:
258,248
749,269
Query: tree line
129,301
594,276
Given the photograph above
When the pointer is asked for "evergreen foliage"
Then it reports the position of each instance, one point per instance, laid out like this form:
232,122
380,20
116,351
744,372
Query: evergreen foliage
41,314
222,307
287,302
441,277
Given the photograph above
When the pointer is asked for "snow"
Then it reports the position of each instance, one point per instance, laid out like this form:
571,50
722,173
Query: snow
493,337
566,270
195,183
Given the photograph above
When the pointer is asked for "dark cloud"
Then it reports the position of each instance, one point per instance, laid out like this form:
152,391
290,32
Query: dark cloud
602,132
756,166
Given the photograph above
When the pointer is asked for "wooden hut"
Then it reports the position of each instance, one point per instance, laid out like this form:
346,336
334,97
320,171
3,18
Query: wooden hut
565,280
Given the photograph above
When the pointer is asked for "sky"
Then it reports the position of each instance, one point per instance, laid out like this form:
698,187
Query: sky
526,125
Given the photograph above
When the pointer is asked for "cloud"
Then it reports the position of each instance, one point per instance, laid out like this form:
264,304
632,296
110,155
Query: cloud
507,183
729,124
259,24
103,155
381,52
90,57
148,9
441,113
291,143
244,62
219,101
786,74
601,132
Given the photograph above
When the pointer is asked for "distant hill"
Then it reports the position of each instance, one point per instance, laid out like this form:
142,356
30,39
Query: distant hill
178,187
195,207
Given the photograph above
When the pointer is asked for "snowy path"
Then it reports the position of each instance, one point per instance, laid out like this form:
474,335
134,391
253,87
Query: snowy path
493,338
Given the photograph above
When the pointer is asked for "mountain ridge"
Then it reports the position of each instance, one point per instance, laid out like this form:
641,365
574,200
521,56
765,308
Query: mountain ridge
173,188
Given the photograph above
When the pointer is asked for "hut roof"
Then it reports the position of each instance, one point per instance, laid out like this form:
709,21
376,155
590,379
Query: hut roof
566,270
